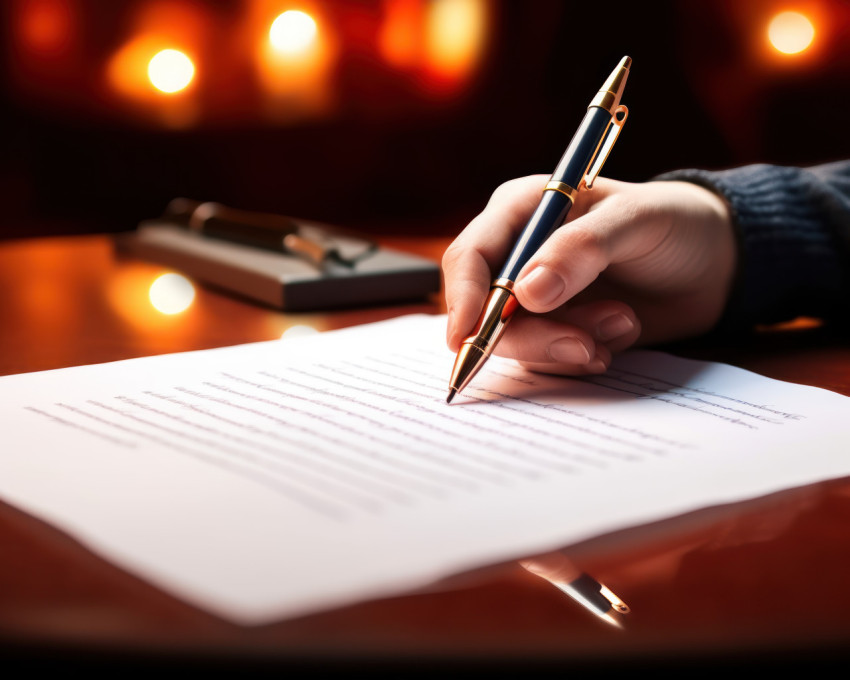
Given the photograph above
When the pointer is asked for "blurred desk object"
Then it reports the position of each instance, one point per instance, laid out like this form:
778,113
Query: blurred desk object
284,262
762,582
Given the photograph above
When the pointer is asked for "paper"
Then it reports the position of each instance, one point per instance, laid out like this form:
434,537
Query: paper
276,479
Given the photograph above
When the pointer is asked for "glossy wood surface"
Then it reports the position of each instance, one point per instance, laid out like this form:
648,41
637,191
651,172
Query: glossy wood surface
764,581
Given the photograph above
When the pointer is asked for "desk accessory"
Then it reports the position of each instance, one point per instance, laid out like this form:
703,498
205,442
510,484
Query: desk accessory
288,263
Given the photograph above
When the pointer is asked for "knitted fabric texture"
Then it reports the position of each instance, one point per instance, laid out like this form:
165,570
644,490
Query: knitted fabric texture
793,229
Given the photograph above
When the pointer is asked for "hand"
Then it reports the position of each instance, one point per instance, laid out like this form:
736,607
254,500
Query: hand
634,263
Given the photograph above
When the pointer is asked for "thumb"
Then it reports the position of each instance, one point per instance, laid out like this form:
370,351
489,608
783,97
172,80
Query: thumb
566,264
579,250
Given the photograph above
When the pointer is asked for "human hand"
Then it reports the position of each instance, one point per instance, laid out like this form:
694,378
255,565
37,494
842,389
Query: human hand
634,263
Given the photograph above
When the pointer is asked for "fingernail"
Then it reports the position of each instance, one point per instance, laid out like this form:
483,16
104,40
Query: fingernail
613,327
450,325
596,366
542,285
569,351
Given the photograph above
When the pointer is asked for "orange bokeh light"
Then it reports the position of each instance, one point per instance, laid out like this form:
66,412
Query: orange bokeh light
294,55
141,295
281,60
790,32
400,38
129,68
442,41
46,26
154,70
455,33
293,32
171,293
170,71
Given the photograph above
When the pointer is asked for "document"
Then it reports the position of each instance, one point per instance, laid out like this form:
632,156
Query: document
277,479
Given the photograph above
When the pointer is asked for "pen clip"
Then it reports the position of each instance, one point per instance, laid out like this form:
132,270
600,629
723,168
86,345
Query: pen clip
615,601
618,119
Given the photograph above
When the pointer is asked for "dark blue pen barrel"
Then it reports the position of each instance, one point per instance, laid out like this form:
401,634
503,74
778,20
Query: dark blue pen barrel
549,215
579,153
554,206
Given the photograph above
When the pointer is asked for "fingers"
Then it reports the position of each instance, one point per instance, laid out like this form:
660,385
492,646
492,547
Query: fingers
467,281
469,262
602,228
666,248
576,341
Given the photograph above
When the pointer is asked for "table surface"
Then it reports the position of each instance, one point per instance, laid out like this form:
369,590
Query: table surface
763,581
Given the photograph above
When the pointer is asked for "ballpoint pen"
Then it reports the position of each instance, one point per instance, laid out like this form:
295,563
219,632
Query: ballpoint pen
577,169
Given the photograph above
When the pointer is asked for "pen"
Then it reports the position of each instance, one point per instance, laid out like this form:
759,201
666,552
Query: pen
241,226
264,230
578,168
581,587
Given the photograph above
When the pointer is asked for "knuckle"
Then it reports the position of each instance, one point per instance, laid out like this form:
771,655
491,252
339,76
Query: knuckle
587,244
511,188
451,255
628,205
503,190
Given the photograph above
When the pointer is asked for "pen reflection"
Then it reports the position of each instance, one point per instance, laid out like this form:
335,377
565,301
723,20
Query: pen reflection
559,570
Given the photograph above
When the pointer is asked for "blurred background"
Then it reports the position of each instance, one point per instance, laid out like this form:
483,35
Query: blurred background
390,116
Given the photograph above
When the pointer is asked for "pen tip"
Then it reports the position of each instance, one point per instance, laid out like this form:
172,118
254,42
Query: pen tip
452,393
626,62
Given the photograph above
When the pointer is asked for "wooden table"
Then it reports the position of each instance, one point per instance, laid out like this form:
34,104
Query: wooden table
764,582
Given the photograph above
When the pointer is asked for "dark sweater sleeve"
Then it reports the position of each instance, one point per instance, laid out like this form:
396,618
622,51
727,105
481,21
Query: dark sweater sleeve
793,228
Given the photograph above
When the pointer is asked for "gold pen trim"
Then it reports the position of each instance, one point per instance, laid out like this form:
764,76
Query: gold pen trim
561,188
609,94
615,601
618,120
477,348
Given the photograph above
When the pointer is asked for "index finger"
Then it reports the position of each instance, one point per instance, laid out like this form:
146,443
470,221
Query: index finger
470,261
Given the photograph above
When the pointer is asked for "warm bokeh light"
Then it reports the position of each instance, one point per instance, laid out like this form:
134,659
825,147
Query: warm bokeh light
171,293
441,41
455,34
790,32
400,37
153,70
293,31
144,72
296,52
46,26
170,71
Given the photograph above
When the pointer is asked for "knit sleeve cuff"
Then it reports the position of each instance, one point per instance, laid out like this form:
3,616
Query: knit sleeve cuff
789,262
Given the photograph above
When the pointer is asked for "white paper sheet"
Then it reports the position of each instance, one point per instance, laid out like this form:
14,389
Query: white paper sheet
276,479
